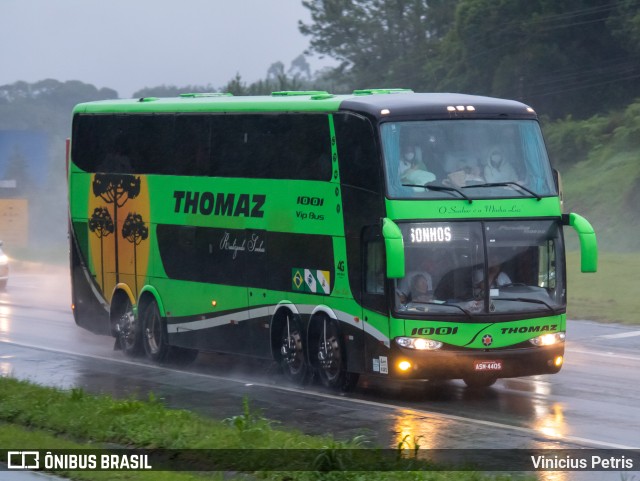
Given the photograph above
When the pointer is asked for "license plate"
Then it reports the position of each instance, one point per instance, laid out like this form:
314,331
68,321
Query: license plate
488,365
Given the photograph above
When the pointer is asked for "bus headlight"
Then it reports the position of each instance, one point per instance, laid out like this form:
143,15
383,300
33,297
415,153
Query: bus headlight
548,339
419,343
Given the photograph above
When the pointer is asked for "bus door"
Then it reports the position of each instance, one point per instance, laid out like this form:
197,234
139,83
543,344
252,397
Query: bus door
374,295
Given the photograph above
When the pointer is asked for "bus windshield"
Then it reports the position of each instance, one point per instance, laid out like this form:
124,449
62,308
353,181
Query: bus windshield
474,158
481,268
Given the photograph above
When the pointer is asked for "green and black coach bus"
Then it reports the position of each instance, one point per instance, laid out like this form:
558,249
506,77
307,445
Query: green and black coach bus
391,233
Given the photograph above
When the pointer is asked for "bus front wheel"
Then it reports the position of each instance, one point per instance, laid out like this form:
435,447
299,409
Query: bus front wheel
156,340
331,357
155,333
127,329
479,382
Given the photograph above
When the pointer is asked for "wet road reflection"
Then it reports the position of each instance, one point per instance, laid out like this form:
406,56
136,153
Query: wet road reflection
551,422
5,322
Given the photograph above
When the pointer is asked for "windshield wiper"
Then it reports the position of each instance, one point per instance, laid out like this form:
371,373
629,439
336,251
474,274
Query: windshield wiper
524,299
441,188
505,184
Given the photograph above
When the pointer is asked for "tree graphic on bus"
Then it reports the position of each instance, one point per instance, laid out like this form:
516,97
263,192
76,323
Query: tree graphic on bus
135,231
101,224
116,189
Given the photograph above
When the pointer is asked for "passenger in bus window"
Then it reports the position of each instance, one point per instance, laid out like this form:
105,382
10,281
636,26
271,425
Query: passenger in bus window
463,171
499,169
412,170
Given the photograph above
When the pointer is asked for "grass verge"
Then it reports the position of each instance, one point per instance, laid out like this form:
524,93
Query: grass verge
36,417
609,295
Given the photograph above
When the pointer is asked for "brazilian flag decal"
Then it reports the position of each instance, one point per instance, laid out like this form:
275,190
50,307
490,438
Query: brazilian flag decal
310,280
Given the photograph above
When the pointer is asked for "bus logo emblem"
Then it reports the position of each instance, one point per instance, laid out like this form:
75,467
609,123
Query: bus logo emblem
487,340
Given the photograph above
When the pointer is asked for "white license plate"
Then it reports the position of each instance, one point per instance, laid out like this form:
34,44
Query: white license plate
488,365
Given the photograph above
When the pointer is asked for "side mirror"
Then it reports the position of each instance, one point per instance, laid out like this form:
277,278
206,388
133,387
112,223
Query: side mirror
394,249
557,178
588,241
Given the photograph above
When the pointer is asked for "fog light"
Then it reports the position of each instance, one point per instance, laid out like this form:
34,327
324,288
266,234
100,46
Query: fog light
558,361
404,365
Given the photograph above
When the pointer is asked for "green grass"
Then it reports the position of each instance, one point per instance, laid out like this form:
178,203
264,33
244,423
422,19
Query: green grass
606,190
35,417
609,295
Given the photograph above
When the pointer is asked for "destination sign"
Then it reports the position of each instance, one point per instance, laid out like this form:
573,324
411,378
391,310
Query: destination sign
430,234
424,233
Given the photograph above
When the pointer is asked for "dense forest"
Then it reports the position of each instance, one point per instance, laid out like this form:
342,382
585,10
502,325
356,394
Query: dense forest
577,62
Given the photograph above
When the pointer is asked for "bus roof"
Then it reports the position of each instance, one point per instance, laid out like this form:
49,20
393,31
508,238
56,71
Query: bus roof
378,103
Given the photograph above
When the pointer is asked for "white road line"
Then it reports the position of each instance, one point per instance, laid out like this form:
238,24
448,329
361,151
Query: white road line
611,355
419,412
621,335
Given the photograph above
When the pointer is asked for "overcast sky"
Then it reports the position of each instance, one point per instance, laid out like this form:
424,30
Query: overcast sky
130,44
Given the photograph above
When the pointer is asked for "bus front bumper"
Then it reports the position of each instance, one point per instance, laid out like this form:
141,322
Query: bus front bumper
458,364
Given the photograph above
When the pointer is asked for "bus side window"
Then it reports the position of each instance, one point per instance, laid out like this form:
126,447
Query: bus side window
270,146
192,146
547,266
359,163
374,267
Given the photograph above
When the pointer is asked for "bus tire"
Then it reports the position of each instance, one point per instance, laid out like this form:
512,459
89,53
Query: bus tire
155,338
127,327
479,382
292,353
330,355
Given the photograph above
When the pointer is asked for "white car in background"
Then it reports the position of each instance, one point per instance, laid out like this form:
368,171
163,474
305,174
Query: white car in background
4,268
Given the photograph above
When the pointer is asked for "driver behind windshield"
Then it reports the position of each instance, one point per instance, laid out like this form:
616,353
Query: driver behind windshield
496,277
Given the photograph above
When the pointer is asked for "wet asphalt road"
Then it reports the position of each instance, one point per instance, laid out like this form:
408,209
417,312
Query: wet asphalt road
593,402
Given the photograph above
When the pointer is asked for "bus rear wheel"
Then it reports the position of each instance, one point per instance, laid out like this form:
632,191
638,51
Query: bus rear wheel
331,357
292,358
128,331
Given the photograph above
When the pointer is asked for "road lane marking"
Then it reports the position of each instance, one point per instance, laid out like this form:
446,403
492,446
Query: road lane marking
418,412
609,354
621,335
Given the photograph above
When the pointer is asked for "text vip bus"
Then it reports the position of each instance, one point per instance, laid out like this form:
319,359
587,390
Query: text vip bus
387,233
